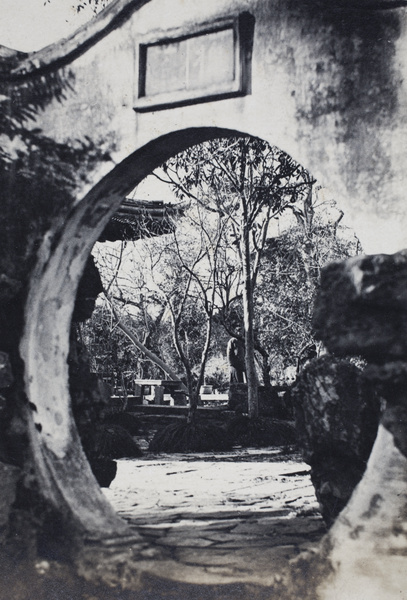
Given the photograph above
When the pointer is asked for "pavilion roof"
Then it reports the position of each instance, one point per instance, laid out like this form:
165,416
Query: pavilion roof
136,219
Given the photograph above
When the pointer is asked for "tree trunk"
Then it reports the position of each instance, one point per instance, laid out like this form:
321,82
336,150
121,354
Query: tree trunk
265,367
193,398
153,357
248,315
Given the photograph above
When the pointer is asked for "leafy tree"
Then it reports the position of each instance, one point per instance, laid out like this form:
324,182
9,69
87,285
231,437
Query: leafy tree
284,270
287,285
94,5
37,174
129,305
287,281
247,182
190,297
112,354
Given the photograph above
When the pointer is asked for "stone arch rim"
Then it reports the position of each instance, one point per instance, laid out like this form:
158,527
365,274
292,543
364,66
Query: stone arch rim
90,215
44,344
65,51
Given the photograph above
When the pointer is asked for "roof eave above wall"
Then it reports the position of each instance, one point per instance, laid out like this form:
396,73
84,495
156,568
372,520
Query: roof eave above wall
66,50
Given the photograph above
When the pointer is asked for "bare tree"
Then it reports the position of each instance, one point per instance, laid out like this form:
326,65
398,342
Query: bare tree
176,276
124,289
248,183
191,261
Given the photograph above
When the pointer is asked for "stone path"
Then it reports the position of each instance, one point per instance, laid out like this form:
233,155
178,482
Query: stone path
220,518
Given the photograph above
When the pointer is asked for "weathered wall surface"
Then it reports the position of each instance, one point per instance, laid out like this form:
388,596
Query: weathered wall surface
328,86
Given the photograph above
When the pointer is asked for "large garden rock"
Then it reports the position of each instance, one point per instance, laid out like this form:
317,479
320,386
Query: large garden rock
361,307
6,374
9,476
337,416
238,397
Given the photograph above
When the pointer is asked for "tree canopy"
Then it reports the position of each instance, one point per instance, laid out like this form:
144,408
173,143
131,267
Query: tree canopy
224,268
247,183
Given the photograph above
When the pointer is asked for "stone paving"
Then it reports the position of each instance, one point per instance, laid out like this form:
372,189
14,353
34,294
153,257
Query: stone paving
219,518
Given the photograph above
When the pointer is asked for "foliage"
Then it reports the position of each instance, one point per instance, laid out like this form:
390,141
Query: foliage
191,301
38,175
246,182
174,285
215,376
112,354
23,99
94,5
287,285
171,292
38,179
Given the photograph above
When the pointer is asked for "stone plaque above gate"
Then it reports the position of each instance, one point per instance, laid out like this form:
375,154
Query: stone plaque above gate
210,62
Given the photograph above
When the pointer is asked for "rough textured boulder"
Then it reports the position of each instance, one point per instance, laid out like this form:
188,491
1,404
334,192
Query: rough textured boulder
104,470
361,307
9,475
238,397
337,416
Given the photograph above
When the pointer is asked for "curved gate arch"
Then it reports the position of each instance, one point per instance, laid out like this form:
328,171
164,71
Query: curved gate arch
334,70
62,468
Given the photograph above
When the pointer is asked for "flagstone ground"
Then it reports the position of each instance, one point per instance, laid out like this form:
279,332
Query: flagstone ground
219,518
